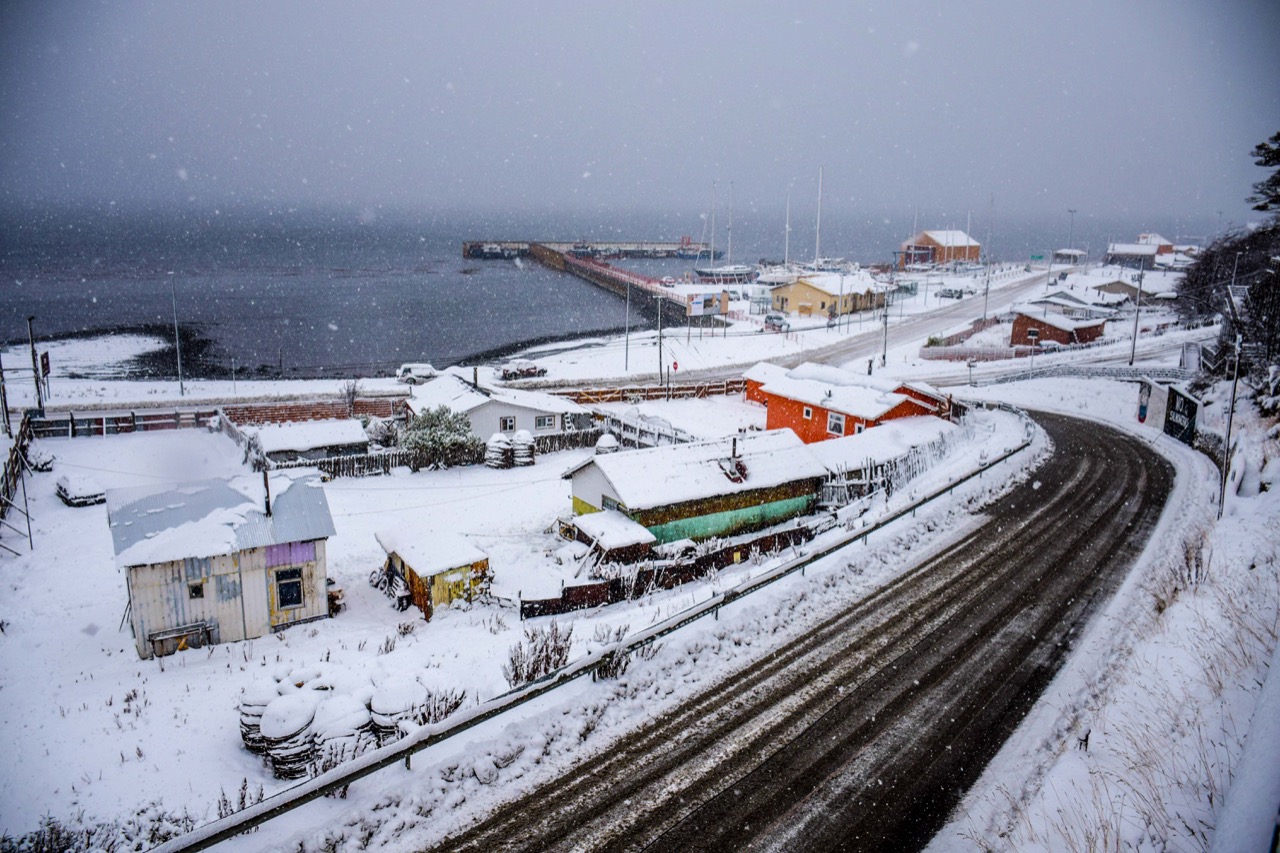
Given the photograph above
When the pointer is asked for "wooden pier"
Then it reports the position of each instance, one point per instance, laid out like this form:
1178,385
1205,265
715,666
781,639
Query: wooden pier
672,305
685,247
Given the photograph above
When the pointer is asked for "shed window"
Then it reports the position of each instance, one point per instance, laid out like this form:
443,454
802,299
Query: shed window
506,423
859,428
289,588
808,413
544,422
835,423
195,590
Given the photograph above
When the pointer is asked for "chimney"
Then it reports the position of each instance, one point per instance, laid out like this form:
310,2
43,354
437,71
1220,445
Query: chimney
475,376
266,488
735,447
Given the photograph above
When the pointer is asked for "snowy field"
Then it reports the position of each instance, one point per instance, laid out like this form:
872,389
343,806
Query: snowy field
1166,682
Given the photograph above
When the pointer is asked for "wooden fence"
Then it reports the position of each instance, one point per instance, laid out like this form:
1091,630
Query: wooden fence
72,425
13,466
655,576
638,393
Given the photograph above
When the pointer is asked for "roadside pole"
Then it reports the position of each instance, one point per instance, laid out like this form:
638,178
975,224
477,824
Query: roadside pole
4,404
35,365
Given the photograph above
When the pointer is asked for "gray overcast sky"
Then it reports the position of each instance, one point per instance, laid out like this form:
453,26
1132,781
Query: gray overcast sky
1147,107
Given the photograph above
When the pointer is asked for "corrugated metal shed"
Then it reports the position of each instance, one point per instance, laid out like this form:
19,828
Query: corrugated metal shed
153,524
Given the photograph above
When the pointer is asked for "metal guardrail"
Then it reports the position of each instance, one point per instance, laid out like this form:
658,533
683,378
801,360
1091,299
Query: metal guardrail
429,735
1176,374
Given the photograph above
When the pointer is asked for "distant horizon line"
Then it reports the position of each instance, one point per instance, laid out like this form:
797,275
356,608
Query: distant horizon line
358,214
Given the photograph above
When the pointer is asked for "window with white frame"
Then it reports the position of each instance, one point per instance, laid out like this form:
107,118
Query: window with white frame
835,423
544,422
507,423
808,413
859,428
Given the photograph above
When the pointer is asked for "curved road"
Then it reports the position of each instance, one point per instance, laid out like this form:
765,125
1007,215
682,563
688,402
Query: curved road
864,733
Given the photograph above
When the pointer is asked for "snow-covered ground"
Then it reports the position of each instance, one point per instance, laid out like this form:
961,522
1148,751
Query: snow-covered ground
1165,682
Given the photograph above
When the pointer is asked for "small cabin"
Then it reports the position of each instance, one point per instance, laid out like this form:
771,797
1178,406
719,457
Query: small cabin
438,567
702,489
217,561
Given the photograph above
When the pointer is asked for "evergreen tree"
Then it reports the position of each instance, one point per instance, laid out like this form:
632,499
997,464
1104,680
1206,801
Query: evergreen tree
440,438
1266,194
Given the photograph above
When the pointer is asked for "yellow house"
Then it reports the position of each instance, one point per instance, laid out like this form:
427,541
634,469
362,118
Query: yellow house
437,567
828,294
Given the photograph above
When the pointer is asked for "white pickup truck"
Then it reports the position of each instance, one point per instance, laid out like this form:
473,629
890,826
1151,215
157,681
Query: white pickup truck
415,374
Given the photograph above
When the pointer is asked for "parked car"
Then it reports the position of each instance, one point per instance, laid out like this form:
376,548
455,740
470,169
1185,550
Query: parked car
415,374
668,281
950,293
776,322
521,369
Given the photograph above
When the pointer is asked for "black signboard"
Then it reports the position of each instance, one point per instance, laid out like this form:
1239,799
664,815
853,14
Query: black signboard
1180,417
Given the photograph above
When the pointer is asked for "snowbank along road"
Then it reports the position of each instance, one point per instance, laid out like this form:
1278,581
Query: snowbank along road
864,733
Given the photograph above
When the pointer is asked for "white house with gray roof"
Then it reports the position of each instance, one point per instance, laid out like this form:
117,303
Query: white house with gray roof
217,561
504,410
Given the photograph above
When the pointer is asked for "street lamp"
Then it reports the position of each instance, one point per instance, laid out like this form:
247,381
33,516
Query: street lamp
626,345
1071,232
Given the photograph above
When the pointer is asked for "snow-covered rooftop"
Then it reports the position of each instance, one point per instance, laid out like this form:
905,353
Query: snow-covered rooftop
835,284
1136,249
452,392
672,474
862,401
1057,321
308,435
611,529
879,444
429,552
947,237
208,518
458,395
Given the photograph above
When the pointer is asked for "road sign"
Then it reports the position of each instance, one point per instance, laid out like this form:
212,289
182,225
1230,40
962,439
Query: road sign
1037,257
44,363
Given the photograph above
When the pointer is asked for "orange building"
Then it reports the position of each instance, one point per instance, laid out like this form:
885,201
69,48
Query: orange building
1030,330
939,247
818,402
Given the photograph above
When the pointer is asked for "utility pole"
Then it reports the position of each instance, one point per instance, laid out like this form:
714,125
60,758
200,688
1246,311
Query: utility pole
884,354
177,342
626,345
1231,413
1137,310
4,404
659,301
35,364
1071,232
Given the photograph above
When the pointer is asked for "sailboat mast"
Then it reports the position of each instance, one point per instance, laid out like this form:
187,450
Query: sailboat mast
786,235
817,238
713,222
729,259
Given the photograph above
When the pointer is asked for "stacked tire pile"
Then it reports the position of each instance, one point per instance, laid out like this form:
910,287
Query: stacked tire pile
498,451
394,701
254,700
522,448
286,732
343,728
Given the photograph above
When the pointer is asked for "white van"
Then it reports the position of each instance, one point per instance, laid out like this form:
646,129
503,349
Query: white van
415,374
